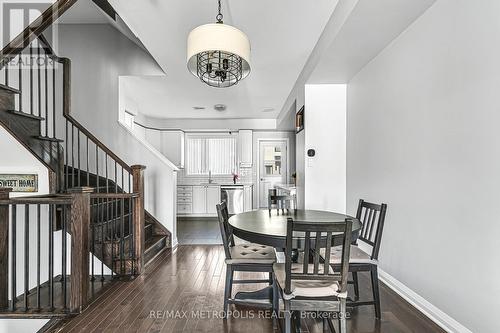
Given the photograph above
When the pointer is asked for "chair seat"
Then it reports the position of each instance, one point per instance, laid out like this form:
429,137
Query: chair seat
250,253
357,256
306,288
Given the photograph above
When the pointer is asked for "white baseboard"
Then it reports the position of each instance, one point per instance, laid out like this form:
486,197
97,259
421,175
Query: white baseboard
428,309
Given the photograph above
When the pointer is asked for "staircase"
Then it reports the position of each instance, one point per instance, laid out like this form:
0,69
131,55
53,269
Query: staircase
35,109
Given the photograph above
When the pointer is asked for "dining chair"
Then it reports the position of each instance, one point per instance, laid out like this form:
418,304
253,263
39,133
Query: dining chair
313,284
372,216
280,201
247,257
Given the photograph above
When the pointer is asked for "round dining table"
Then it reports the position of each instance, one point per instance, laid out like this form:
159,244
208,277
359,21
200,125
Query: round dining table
269,228
260,226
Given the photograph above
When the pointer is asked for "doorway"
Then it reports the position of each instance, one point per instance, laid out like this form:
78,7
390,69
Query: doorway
272,167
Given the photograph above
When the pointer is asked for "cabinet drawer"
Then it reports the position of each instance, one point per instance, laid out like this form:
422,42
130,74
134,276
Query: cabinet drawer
184,200
184,189
184,208
184,194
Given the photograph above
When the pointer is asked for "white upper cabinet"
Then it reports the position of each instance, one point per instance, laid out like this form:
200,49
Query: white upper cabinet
172,146
245,150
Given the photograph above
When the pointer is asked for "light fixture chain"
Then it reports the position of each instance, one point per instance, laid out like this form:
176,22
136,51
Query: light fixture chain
219,16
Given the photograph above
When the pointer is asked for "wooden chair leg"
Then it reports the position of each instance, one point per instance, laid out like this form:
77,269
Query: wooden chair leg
288,317
271,279
342,316
356,285
228,287
276,303
376,294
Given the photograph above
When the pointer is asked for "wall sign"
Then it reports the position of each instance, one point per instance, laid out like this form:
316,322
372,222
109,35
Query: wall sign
20,182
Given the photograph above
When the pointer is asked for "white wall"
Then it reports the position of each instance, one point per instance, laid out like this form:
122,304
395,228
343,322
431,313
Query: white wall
325,132
423,137
100,55
20,160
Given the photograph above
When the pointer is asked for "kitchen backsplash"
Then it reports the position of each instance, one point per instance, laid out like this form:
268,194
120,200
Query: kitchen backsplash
246,176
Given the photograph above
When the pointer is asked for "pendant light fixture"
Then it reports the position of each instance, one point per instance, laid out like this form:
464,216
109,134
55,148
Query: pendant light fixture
218,54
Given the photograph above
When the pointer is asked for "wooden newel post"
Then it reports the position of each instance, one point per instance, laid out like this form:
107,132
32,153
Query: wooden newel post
4,249
138,216
80,231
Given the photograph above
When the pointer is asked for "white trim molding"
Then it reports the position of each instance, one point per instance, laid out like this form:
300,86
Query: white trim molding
428,309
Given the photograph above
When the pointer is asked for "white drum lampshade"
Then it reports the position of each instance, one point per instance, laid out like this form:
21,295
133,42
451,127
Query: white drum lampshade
218,54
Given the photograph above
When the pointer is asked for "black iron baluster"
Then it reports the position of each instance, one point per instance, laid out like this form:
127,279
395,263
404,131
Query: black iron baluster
64,257
66,166
78,152
26,254
131,234
46,97
88,171
20,69
122,237
38,256
92,235
53,99
51,257
32,111
6,67
39,79
72,155
13,291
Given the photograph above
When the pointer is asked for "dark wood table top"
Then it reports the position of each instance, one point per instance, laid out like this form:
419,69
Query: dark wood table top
259,227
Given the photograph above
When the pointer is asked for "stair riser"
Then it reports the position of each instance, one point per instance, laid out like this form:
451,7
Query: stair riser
7,101
153,251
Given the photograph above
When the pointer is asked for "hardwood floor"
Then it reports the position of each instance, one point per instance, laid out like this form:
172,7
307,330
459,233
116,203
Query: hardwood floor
183,292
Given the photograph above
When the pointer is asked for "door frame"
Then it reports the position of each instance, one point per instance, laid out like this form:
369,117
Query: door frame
259,140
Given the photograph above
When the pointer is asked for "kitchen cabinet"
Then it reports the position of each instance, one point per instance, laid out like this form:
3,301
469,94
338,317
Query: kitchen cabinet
198,200
184,200
172,146
248,198
245,148
213,198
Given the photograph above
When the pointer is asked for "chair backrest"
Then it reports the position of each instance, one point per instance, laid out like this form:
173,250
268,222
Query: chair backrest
373,217
316,237
225,228
280,201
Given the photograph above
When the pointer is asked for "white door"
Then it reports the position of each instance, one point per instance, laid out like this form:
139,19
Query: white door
273,167
213,198
199,199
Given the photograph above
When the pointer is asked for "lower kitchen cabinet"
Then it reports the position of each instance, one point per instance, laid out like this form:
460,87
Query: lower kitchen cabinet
201,200
213,198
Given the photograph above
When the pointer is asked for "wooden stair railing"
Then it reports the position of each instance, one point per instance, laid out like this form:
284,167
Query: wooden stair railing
35,102
46,284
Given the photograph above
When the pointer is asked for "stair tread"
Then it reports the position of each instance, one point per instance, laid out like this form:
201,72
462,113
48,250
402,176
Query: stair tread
150,244
27,115
13,90
47,138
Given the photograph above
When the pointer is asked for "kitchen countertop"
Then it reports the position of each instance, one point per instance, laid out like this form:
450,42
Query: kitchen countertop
217,184
286,186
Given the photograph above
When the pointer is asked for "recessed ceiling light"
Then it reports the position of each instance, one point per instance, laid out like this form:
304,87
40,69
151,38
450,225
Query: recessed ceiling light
199,108
220,107
268,110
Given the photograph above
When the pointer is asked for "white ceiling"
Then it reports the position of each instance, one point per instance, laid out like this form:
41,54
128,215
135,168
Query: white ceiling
84,12
371,26
282,33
